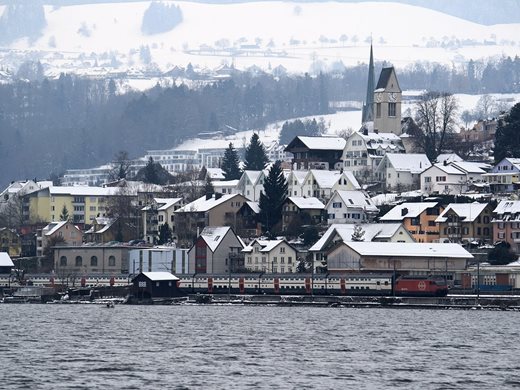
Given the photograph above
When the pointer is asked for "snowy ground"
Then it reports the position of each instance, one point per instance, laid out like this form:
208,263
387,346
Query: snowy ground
285,33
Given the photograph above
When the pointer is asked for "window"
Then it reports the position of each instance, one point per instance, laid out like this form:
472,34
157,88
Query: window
392,109
93,261
378,110
336,205
282,249
289,260
63,261
275,260
282,260
79,261
431,223
111,261
428,179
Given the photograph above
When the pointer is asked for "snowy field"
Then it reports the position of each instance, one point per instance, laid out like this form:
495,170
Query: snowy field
276,33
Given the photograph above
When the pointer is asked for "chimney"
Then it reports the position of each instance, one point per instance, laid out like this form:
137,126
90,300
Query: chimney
365,131
376,131
445,162
404,211
209,196
218,195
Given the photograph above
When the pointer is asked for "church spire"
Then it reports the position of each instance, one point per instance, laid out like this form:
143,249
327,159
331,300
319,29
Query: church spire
368,107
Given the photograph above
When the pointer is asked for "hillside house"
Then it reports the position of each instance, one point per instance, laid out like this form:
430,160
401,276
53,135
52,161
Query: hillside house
322,184
350,207
505,176
506,223
302,211
452,178
316,152
270,256
65,231
10,242
401,172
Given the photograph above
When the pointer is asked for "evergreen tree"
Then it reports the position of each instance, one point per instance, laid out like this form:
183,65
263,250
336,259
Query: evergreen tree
358,233
273,197
64,216
208,187
230,164
507,136
256,157
165,234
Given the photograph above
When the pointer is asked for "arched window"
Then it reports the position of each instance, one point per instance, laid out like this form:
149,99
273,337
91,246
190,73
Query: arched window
93,261
79,261
111,261
63,261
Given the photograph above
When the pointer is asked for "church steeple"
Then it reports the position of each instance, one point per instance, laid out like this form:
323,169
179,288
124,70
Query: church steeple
368,107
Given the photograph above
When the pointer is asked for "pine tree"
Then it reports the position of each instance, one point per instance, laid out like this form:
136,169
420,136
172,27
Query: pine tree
273,197
208,187
64,216
165,234
358,233
507,136
256,157
230,164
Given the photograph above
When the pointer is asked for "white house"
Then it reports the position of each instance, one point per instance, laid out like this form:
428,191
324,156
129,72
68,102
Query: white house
350,207
452,178
321,184
270,256
295,181
159,212
364,150
402,171
225,186
251,184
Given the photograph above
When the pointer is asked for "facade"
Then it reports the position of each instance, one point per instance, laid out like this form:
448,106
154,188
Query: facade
295,182
365,149
387,103
400,258
158,259
418,218
226,186
214,210
270,256
466,223
158,212
10,242
316,152
248,221
401,172
350,207
90,260
104,230
322,184
506,223
307,211
504,176
216,251
452,178
251,184
66,230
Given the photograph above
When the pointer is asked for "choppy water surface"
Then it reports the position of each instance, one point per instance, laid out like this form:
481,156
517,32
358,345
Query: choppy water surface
237,347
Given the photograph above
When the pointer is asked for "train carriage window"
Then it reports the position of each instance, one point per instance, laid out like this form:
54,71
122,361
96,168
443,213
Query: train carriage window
378,283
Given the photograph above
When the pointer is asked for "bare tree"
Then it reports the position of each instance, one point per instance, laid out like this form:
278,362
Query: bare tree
435,117
121,166
11,213
486,107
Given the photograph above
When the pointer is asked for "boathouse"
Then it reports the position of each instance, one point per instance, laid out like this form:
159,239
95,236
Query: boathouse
149,285
6,264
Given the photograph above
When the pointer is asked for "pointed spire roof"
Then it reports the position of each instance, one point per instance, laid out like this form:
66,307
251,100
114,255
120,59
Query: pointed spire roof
368,107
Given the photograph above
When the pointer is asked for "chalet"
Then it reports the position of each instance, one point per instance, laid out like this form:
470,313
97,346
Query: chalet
302,211
350,207
149,285
402,172
466,223
506,223
316,152
270,256
248,221
365,149
418,218
401,258
504,176
251,184
216,250
452,178
209,210
322,184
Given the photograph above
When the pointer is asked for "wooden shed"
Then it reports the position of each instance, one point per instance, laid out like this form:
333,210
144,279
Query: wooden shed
149,285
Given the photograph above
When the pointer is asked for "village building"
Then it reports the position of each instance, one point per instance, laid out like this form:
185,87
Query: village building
295,182
208,210
322,184
505,176
105,230
10,242
251,184
248,220
217,250
466,223
418,218
316,152
158,212
6,264
149,285
399,258
387,103
350,207
90,260
270,256
158,259
302,211
402,172
65,232
506,223
225,186
452,178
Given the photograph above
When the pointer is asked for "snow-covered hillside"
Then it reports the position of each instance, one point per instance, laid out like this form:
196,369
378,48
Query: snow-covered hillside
107,37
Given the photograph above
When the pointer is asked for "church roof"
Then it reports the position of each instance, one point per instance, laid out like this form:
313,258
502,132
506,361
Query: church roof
384,77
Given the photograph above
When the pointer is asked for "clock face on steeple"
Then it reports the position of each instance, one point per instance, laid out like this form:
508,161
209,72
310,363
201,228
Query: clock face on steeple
392,97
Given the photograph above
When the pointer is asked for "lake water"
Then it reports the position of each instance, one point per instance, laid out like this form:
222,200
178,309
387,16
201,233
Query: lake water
241,347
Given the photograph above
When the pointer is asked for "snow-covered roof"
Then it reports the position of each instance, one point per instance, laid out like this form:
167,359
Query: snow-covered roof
344,231
213,235
224,183
407,210
413,163
448,168
163,203
255,206
384,198
299,176
468,211
253,176
327,179
323,143
53,227
407,249
355,199
508,206
267,245
202,204
83,190
5,260
215,173
159,276
101,221
514,161
471,167
307,203
448,157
